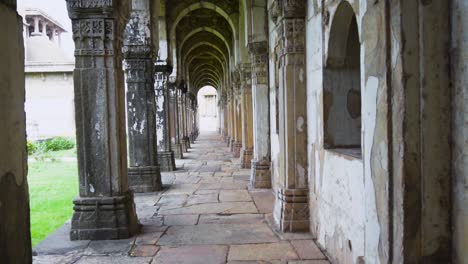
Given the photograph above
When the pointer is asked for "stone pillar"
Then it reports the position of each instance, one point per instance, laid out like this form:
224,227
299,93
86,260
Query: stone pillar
228,119
15,234
182,120
261,173
143,170
165,154
232,118
246,154
36,31
238,117
291,211
44,29
105,207
174,103
187,119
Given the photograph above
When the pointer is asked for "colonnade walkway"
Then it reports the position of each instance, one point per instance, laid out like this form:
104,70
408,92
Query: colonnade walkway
205,214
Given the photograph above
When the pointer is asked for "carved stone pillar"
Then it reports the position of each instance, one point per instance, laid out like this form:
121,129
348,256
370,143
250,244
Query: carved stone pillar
229,118
185,104
246,154
175,134
291,211
237,118
261,174
165,154
143,170
105,207
233,121
182,120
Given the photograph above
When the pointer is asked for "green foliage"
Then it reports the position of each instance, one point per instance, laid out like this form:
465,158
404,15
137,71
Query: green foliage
58,143
31,148
53,144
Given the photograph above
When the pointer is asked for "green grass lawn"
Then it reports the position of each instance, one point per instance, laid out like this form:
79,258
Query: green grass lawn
52,187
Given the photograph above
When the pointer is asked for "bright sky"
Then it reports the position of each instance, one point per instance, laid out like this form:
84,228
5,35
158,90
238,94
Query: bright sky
57,9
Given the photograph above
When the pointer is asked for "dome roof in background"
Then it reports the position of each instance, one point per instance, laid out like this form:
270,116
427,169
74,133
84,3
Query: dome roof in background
41,50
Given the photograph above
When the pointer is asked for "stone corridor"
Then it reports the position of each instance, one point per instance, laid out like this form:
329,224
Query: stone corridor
205,214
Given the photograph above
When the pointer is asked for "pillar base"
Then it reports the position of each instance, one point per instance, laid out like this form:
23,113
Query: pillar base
261,175
166,161
178,151
144,179
246,158
231,145
237,149
228,140
291,211
186,142
104,218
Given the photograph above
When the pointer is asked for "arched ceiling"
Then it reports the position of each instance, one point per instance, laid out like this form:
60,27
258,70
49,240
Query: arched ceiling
203,40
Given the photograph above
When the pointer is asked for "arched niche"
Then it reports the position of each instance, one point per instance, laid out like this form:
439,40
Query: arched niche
342,84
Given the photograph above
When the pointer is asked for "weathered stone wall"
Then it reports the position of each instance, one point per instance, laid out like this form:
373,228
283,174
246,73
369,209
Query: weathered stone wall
459,61
344,186
396,198
15,241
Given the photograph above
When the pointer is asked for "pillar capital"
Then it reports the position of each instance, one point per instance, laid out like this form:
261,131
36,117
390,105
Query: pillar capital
288,9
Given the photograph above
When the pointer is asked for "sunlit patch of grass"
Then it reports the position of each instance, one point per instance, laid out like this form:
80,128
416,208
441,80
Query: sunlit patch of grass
52,187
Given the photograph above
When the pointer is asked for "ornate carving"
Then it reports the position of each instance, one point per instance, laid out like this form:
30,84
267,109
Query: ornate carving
259,53
90,3
291,36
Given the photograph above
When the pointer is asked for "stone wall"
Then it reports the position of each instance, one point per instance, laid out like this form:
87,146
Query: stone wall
344,186
15,241
460,129
396,202
50,109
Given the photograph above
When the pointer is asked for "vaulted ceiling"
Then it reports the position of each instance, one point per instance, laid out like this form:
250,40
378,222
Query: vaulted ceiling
203,37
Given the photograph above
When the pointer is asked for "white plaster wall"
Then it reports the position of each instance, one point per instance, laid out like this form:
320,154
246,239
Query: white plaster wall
343,210
49,105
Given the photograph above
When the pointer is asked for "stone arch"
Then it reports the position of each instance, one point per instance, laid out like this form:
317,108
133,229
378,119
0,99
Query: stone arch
337,43
210,30
193,7
342,83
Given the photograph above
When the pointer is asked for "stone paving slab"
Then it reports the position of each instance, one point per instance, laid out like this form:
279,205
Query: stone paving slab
192,255
214,208
59,242
180,220
113,260
264,200
273,251
309,262
307,249
217,234
202,199
110,247
234,196
231,219
56,259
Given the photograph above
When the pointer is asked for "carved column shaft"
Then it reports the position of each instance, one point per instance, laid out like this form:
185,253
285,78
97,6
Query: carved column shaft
165,153
104,208
261,175
247,121
186,102
175,124
291,208
143,170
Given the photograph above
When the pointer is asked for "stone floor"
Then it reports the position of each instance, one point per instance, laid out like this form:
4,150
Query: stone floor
206,214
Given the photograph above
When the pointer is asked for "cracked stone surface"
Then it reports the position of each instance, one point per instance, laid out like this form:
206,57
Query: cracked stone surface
205,214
